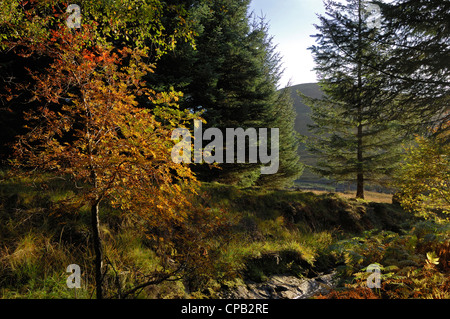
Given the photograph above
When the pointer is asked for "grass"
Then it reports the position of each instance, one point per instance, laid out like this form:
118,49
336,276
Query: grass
292,226
370,196
271,232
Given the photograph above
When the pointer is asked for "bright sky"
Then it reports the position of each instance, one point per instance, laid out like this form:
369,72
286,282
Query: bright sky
291,24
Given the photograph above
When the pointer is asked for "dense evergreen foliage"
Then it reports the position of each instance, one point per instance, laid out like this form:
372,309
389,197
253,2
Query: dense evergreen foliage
353,136
232,76
417,36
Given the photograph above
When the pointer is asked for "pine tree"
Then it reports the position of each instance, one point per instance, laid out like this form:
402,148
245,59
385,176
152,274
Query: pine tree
416,41
283,114
232,78
354,139
421,57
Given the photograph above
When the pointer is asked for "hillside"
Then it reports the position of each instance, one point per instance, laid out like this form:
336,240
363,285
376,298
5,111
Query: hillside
308,180
303,111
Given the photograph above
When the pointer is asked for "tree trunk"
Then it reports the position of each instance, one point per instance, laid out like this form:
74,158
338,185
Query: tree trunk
95,223
360,156
360,167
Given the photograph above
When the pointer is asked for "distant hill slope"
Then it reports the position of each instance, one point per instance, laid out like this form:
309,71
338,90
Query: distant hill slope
308,180
303,112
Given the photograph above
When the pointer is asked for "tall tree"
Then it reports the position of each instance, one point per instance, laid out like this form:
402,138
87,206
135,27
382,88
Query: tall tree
416,43
232,77
155,26
100,137
354,139
88,126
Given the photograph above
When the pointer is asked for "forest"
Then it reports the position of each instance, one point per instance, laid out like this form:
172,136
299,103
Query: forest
148,152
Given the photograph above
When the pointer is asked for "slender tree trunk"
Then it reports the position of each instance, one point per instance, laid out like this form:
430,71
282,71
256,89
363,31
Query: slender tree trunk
360,166
360,155
95,224
95,227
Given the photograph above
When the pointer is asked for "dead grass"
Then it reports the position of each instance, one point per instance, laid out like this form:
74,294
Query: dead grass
369,196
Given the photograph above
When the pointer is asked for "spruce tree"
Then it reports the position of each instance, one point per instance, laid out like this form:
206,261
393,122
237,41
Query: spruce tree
281,112
418,36
353,137
232,77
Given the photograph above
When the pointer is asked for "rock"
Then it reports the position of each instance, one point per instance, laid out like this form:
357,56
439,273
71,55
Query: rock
282,287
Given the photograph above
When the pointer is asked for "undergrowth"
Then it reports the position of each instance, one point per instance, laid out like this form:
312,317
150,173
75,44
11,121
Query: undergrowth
272,232
413,264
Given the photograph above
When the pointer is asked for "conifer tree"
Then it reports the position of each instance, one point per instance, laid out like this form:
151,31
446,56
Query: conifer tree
232,77
354,138
418,34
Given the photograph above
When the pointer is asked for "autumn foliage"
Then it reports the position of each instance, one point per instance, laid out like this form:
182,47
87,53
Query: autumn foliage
424,176
90,129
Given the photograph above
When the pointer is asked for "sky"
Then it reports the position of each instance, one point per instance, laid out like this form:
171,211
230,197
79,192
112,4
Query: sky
292,23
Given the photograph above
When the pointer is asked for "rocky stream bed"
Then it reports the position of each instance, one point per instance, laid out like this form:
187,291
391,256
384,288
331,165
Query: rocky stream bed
282,287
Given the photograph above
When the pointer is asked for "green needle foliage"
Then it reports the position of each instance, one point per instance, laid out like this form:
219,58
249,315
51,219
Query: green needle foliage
232,77
353,135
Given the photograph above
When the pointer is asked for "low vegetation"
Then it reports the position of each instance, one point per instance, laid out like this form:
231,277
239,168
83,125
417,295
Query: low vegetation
414,263
269,232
